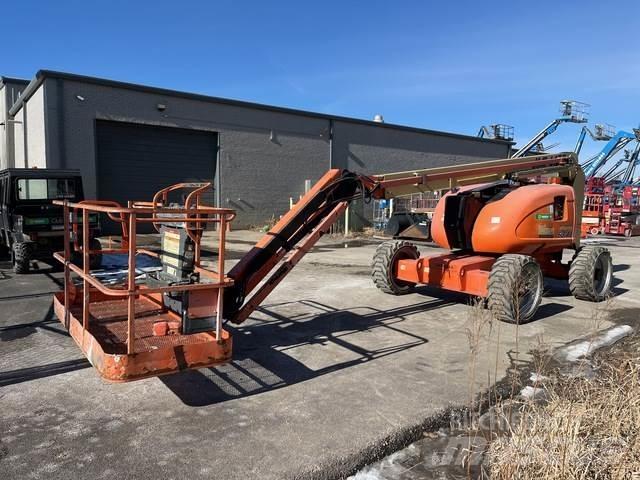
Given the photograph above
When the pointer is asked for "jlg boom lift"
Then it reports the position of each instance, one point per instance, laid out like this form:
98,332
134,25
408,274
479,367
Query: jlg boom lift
504,223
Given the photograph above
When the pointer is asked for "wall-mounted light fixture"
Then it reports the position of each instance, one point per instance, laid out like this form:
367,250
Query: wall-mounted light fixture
80,97
161,107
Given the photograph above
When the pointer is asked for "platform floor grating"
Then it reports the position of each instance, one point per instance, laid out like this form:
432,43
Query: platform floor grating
108,324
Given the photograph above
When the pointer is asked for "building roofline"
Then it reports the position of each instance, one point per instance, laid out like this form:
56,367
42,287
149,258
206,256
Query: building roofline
43,74
4,79
41,172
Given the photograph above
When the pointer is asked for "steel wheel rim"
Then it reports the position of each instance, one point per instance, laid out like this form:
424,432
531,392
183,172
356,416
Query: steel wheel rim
529,291
402,254
602,274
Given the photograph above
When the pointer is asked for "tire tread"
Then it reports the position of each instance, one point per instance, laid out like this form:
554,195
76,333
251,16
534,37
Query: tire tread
382,266
500,288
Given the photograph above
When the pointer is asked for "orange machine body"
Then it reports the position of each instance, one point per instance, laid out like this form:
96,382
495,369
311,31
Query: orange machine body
489,220
525,220
452,271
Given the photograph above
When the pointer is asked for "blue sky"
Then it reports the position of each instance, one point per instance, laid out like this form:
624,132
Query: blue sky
443,65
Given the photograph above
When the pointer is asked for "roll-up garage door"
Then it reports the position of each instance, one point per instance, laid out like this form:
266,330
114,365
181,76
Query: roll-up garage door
135,161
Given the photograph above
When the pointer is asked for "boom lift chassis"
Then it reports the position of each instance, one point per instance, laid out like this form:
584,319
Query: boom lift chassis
133,331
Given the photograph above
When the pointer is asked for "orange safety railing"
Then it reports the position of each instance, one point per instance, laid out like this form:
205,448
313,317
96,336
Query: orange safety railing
194,219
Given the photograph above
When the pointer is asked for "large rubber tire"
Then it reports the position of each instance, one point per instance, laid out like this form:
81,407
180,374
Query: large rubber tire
21,257
515,288
383,269
591,274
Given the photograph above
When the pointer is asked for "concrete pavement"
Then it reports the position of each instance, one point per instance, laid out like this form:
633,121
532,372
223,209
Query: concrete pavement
330,375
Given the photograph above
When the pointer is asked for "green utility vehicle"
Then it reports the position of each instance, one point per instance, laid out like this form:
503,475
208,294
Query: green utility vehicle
31,227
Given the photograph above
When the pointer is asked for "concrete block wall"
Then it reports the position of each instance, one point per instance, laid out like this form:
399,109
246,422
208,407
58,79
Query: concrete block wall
375,150
4,129
265,155
19,147
34,128
30,138
10,90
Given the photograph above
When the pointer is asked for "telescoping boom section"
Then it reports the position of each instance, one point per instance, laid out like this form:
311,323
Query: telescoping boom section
171,317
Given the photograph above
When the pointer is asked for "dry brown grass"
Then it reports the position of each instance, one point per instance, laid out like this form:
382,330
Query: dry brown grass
585,429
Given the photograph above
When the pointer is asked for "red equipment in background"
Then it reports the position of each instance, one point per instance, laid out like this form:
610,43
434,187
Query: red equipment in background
621,212
593,210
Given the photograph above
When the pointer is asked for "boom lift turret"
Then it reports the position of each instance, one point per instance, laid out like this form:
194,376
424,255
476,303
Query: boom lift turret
504,224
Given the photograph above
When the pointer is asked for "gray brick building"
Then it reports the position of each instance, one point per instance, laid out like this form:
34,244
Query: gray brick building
130,140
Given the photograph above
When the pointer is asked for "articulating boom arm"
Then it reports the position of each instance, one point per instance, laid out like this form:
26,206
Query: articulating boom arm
613,146
545,132
603,131
300,228
613,171
631,168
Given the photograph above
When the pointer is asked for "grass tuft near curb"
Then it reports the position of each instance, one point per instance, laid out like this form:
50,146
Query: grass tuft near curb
586,428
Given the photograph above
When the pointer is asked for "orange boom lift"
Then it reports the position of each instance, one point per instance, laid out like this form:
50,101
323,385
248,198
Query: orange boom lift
505,224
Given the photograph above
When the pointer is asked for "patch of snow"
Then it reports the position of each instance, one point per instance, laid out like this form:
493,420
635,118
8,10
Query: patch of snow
531,393
573,353
387,468
537,378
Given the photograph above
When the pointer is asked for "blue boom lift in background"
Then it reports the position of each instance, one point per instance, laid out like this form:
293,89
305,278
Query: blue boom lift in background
572,112
620,140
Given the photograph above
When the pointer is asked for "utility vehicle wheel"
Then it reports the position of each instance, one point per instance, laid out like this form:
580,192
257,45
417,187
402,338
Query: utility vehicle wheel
21,257
384,266
515,288
96,259
591,273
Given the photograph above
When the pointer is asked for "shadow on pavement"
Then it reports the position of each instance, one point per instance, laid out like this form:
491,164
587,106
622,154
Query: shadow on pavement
262,362
546,310
32,373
